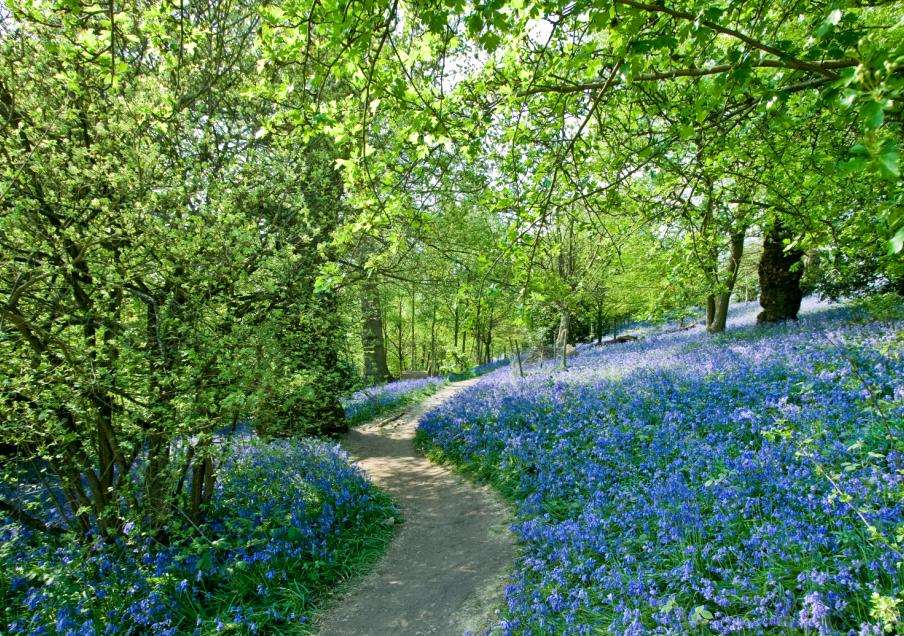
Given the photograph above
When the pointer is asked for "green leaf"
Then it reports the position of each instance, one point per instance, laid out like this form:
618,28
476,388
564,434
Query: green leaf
669,605
475,23
829,24
896,243
888,163
872,114
491,41
855,164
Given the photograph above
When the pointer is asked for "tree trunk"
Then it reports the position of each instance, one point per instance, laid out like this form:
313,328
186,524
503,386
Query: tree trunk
431,363
202,483
722,300
488,339
516,348
413,339
477,334
710,310
161,393
562,338
375,367
455,327
400,347
600,326
780,274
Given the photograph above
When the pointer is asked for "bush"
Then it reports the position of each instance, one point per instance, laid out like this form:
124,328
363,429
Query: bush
888,307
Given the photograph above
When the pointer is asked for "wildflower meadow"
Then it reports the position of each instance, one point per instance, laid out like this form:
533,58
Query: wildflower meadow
289,520
278,277
748,483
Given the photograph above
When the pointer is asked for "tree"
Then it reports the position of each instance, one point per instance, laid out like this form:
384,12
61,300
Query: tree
780,274
152,284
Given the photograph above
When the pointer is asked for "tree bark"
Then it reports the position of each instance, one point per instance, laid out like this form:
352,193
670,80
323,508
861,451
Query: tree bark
562,338
431,363
779,273
516,349
455,327
722,300
400,347
600,325
488,339
413,339
372,339
477,334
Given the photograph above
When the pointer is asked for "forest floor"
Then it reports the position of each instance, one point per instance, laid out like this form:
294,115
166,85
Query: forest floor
445,571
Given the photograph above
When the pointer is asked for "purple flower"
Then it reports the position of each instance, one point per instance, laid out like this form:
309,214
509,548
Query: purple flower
814,612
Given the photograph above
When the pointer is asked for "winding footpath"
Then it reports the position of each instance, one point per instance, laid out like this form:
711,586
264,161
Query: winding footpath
445,569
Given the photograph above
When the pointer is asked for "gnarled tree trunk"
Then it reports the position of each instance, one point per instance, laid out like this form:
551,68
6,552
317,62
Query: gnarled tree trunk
780,275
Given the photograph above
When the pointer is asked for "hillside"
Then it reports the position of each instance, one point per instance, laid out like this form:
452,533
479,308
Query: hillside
682,483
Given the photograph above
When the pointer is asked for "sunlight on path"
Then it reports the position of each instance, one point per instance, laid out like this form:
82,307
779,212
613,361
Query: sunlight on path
445,571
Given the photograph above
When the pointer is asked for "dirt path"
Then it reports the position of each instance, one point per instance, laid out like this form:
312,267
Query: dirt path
445,570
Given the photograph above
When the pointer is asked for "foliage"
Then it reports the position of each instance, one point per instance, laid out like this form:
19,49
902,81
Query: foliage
489,367
160,264
887,307
747,483
581,156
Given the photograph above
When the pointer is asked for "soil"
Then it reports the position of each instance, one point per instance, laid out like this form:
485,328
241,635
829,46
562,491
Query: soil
446,568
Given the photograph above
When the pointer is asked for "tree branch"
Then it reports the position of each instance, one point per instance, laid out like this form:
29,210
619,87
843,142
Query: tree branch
689,72
22,517
792,62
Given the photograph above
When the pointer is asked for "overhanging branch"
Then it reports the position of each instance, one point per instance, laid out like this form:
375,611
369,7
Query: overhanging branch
685,72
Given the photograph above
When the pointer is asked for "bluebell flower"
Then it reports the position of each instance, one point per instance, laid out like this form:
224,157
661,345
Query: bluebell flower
690,468
138,586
